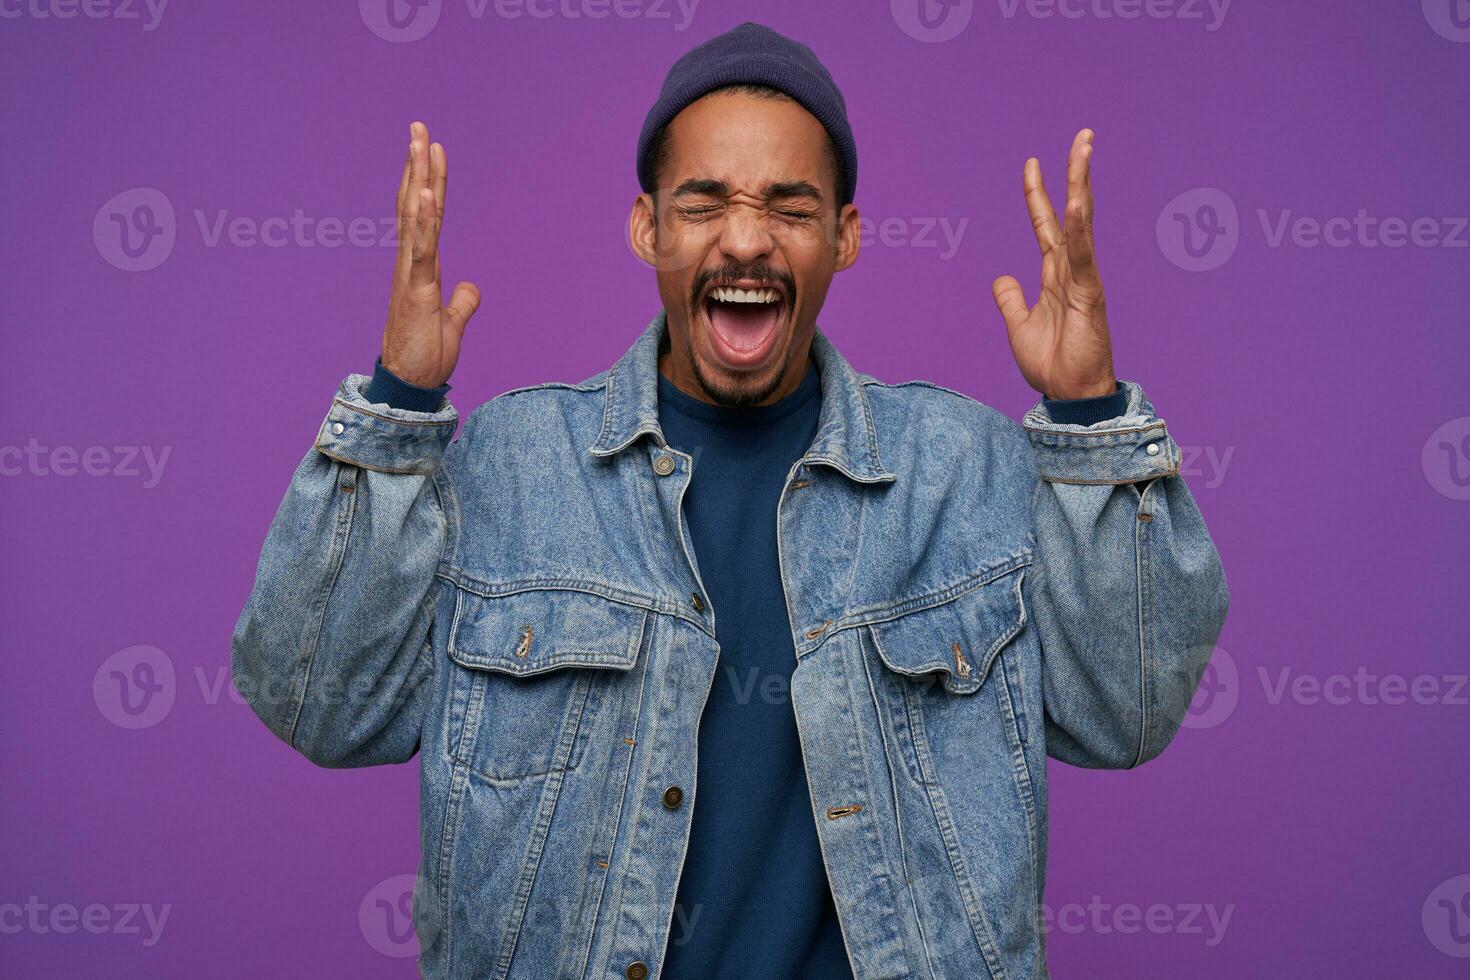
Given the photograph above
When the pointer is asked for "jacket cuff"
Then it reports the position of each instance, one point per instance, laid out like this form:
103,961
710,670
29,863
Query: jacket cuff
1131,447
390,389
377,436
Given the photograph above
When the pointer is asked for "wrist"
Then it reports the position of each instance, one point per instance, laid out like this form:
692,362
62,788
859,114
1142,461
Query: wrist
410,377
1077,392
392,388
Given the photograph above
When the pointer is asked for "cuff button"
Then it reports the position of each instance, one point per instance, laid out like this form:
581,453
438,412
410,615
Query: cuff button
338,428
1152,449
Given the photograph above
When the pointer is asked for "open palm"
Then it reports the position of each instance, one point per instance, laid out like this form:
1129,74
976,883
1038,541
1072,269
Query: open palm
1061,344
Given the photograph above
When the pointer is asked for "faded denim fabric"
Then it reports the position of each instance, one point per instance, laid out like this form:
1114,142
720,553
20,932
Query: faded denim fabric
521,607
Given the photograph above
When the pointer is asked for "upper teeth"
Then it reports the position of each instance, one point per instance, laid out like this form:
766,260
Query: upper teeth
729,294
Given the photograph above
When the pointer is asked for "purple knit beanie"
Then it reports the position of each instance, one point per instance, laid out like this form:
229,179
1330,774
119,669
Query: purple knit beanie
752,54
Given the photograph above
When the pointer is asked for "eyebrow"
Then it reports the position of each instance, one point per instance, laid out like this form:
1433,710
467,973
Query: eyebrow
719,188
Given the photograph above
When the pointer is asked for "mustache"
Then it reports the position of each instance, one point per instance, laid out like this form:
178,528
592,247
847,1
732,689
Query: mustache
760,273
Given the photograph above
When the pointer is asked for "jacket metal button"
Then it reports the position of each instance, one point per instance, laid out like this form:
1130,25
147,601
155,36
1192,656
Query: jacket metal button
338,428
663,464
637,970
1152,449
696,602
673,796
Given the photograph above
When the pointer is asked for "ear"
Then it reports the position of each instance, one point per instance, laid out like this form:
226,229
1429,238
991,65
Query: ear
643,229
849,236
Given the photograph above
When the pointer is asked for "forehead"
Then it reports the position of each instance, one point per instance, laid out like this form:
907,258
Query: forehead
745,140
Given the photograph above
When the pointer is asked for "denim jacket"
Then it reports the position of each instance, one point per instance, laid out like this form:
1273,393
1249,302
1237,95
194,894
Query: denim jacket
521,607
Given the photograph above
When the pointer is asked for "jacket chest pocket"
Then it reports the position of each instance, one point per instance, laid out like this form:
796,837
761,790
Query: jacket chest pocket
535,669
956,693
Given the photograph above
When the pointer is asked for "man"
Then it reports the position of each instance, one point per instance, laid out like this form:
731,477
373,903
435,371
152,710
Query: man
851,619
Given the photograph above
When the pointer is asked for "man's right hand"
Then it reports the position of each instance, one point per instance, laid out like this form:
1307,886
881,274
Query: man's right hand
422,336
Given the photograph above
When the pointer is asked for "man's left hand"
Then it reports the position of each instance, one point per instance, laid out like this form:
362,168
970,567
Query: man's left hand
1061,344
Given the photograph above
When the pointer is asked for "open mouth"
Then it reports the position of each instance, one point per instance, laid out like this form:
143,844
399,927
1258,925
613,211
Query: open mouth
744,322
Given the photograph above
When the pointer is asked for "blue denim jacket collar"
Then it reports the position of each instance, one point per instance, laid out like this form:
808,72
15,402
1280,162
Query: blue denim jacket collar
846,439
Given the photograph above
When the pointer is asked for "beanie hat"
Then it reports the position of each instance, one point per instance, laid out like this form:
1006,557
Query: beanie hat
751,54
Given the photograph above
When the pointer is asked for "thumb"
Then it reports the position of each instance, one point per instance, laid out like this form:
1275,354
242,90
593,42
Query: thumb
462,305
1011,301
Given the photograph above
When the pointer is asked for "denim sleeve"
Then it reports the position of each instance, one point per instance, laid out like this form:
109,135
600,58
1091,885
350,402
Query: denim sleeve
332,650
1130,595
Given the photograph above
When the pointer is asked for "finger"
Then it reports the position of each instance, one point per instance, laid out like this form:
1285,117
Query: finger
425,242
402,199
1080,211
438,179
462,305
1043,216
401,207
418,178
1011,301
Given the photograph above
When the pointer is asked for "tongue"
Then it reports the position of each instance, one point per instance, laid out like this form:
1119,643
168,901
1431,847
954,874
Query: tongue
744,326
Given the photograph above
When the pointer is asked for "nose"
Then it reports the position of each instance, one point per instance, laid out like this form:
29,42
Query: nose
744,239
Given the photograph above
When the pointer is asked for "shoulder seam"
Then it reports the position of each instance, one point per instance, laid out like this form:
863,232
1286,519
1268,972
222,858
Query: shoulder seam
550,385
923,384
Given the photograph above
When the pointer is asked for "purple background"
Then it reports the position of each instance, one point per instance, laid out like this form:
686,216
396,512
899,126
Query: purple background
1322,371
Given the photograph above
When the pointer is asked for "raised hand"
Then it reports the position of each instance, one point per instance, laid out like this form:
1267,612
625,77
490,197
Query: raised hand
1061,344
422,337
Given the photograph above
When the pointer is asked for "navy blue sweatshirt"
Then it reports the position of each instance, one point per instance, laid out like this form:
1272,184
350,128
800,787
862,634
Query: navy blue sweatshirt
753,900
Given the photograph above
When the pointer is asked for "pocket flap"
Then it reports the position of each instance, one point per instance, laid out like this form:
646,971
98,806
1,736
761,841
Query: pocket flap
544,629
958,639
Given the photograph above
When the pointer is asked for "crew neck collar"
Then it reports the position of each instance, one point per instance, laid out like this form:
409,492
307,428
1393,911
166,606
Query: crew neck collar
809,388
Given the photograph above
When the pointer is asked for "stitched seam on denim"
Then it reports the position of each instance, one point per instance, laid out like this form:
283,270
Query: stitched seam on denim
560,762
1141,539
686,540
780,558
1142,478
870,430
340,533
930,600
458,781
949,835
611,939
925,384
821,841
1066,434
622,790
448,499
1021,774
389,418
449,837
886,740
1011,633
396,471
492,590
858,752
459,774
668,926
549,796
